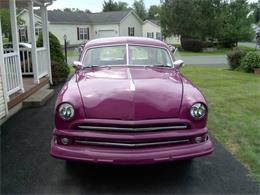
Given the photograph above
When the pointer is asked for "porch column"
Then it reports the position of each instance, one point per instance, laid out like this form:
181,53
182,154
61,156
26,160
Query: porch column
45,38
33,42
2,70
12,7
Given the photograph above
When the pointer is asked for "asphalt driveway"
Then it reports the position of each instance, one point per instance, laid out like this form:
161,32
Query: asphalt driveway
27,167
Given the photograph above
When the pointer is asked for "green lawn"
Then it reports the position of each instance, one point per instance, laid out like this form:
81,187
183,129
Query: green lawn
72,53
234,111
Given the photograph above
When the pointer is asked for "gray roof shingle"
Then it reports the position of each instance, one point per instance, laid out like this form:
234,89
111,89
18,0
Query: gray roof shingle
61,17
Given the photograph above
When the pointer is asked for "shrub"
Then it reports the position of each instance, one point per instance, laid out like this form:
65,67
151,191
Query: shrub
250,61
60,70
55,47
234,58
194,45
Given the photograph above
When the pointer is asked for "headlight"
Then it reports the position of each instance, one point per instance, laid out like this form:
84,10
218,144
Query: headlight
198,110
66,111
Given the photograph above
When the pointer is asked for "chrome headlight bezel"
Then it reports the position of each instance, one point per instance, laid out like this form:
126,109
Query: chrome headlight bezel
198,110
66,111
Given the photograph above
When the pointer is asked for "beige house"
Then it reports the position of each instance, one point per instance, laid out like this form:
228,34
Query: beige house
152,29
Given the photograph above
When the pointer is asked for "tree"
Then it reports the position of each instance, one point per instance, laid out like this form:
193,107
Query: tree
154,12
139,8
224,20
111,5
6,22
236,23
256,9
76,10
122,5
180,17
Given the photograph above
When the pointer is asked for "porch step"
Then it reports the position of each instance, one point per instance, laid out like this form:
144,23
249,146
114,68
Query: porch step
39,98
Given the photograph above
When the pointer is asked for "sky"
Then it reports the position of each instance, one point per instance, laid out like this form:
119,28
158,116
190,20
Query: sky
96,5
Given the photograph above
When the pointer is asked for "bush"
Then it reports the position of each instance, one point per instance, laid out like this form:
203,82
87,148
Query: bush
250,61
60,70
234,58
194,45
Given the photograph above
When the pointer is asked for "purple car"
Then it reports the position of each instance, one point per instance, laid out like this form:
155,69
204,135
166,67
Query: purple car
128,103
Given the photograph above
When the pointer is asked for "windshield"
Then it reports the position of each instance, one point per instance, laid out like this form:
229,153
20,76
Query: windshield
136,55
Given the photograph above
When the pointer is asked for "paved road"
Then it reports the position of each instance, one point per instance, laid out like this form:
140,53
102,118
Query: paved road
247,44
27,167
214,60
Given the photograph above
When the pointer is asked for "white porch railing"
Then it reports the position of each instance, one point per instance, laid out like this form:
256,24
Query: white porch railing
25,58
26,61
42,55
13,81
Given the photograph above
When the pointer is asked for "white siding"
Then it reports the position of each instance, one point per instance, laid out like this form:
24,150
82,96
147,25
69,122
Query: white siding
2,100
130,21
105,27
149,27
59,30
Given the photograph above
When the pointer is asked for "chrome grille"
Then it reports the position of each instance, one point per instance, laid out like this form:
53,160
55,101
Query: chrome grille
181,126
132,145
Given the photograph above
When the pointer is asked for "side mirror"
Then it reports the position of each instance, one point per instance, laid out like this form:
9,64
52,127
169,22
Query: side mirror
178,64
77,65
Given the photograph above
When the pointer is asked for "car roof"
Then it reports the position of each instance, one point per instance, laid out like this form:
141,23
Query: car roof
125,40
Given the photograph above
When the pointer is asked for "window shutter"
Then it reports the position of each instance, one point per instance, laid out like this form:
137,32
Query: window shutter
78,33
26,34
128,31
133,31
88,33
20,36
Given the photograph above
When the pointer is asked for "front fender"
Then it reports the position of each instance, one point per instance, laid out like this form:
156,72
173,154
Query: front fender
70,94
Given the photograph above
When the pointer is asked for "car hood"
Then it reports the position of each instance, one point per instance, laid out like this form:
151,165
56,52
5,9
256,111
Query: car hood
134,93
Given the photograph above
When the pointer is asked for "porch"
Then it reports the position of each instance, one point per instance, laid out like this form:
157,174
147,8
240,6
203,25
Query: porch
24,70
29,88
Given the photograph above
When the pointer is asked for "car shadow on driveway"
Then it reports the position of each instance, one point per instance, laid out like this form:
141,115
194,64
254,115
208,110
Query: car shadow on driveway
27,167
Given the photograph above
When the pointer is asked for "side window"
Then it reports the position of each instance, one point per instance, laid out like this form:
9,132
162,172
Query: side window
160,57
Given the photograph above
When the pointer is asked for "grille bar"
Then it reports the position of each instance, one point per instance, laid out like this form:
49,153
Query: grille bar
136,129
132,145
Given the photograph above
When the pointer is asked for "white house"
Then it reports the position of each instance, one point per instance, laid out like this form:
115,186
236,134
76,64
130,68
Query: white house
14,87
79,27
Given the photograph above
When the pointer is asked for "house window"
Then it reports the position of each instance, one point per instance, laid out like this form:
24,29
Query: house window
83,33
38,30
23,34
158,36
150,34
131,31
